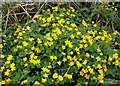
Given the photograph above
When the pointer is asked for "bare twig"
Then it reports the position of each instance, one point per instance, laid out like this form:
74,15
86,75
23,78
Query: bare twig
24,5
7,18
111,81
64,74
37,11
40,8
25,11
113,27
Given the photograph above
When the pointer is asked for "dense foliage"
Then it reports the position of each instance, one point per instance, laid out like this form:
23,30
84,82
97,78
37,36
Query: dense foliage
58,48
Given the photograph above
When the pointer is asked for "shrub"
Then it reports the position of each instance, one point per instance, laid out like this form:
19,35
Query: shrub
54,49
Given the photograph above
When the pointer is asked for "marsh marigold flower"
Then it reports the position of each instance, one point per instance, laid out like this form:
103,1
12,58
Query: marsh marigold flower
55,75
25,43
44,80
60,77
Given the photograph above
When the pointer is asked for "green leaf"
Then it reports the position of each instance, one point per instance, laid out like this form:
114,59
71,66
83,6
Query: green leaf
54,63
21,54
73,69
30,79
25,71
81,80
111,71
17,77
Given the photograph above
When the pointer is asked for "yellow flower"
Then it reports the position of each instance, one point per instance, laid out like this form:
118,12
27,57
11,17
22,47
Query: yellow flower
86,83
7,62
67,42
38,50
93,22
54,25
1,46
2,56
85,62
71,53
24,82
78,33
25,65
8,80
69,76
36,16
49,66
25,59
18,46
74,58
55,8
28,28
68,22
84,23
59,62
53,57
37,83
7,72
33,48
102,38
98,50
55,75
73,25
101,81
95,25
85,45
100,71
39,40
91,70
49,19
43,25
12,66
87,55
9,57
101,54
105,68
117,62
115,55
60,77
64,59
31,39
98,58
45,70
69,57
76,49
104,61
81,73
63,47
78,64
86,76
81,46
2,82
15,40
92,56
71,63
50,43
25,43
20,34
45,75
54,36
84,70
63,53
72,36
99,66
2,68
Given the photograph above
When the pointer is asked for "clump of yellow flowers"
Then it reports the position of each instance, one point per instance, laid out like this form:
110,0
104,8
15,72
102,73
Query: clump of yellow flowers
54,49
